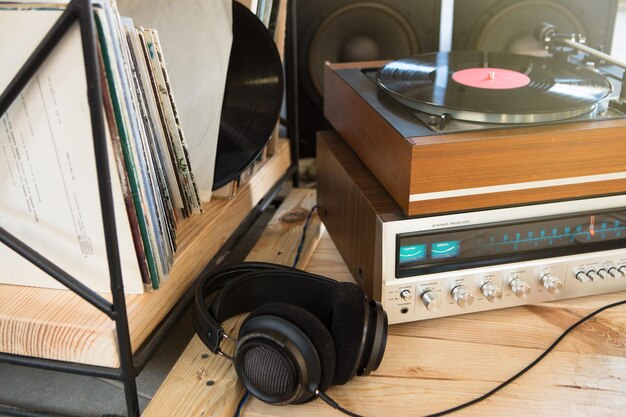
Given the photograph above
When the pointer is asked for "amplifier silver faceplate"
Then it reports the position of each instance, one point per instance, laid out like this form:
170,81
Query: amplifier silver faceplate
434,295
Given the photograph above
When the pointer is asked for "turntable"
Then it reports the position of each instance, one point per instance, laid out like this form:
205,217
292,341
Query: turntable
458,131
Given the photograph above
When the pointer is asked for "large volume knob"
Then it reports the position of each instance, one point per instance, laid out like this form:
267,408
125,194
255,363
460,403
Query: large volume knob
430,300
491,292
520,288
462,297
552,284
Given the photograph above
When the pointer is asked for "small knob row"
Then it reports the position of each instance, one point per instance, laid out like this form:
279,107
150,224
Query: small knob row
464,298
601,274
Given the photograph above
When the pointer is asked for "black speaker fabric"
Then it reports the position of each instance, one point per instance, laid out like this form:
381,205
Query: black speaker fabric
347,330
252,97
312,327
509,25
348,30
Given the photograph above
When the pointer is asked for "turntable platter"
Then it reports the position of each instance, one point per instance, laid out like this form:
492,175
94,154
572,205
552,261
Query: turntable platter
493,87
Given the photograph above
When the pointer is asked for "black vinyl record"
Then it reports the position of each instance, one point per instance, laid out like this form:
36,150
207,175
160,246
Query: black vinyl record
494,87
252,97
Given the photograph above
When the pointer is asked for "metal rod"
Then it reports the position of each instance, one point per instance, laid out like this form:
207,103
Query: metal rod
94,93
588,50
293,128
57,273
32,64
61,366
155,340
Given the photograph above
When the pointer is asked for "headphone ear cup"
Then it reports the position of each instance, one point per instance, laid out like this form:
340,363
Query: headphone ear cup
348,323
305,333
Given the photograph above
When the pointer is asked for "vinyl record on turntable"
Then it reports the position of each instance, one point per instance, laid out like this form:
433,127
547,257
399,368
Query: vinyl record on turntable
493,87
252,97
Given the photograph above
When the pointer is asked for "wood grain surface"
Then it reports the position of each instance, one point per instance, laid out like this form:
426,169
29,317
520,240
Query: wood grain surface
476,158
435,364
57,324
185,391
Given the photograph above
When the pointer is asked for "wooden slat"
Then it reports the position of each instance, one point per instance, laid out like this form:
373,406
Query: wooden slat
57,324
436,364
185,392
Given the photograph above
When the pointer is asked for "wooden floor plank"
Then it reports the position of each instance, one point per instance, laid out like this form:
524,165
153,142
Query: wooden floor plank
181,394
436,364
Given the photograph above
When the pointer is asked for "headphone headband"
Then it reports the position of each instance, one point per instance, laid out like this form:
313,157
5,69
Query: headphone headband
243,290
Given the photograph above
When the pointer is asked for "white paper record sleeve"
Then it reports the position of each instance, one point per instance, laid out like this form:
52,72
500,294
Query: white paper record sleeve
196,37
48,179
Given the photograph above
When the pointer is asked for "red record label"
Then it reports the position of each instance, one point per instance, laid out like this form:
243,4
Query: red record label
491,78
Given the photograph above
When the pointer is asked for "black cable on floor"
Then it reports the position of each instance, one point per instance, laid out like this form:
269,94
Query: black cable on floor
333,404
302,238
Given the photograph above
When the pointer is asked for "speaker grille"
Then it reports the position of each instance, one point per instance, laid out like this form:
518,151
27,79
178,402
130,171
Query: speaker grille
267,370
361,31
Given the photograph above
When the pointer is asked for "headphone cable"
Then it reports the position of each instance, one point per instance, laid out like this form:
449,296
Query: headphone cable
334,404
243,401
302,238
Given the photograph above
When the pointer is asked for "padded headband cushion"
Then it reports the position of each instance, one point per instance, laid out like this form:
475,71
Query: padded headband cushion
253,290
347,329
310,326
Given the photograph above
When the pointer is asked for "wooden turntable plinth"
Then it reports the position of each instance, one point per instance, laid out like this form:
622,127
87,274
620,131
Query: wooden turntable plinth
428,172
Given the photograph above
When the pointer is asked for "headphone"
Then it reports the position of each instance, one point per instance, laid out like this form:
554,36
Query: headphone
304,332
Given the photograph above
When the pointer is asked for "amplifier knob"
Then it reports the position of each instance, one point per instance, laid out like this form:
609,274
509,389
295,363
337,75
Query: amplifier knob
431,301
602,273
491,292
519,288
552,284
582,277
462,297
614,272
622,270
593,275
406,295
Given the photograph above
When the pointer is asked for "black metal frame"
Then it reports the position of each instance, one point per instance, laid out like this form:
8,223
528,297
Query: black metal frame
81,11
291,81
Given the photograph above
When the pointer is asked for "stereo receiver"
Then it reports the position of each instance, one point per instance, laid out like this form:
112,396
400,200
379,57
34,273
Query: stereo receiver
454,263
